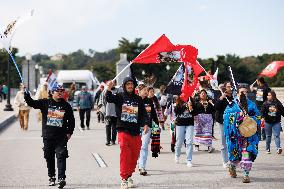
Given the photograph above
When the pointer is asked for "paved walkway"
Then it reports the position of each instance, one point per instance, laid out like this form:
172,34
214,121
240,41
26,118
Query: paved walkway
22,164
6,116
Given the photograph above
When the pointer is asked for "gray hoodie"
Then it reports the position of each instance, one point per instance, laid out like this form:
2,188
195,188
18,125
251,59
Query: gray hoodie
108,108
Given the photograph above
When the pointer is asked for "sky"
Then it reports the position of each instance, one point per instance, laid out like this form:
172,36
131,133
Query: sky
214,27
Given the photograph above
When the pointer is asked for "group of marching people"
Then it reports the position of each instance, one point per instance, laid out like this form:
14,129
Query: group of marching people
138,118
192,123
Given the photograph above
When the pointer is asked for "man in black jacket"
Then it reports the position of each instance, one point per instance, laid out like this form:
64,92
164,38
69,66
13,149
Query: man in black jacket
57,127
131,116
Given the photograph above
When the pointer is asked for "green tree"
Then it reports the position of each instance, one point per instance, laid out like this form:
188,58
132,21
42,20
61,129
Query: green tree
14,76
132,49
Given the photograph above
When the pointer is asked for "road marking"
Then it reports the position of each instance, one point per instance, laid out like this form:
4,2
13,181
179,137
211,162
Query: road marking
99,160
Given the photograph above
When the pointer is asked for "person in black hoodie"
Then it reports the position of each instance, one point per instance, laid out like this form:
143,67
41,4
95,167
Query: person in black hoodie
261,92
271,111
57,127
131,116
152,116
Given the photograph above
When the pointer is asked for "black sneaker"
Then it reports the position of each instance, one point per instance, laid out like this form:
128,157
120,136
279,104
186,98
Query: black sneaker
279,150
173,147
61,183
112,143
108,143
51,181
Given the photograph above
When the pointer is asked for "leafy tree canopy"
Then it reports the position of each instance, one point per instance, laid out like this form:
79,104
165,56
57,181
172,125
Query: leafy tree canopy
103,64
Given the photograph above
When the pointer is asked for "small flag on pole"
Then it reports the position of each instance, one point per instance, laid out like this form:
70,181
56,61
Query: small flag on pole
272,69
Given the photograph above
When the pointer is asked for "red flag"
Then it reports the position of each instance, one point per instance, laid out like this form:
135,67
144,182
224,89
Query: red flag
162,50
188,53
272,68
151,53
189,83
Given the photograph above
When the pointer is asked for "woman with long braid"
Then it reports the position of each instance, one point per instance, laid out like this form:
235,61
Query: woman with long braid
241,150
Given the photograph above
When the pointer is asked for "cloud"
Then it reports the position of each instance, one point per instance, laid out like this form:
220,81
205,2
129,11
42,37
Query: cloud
56,23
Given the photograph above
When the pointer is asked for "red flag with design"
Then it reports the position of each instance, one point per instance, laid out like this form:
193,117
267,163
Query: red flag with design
151,53
162,50
272,69
190,81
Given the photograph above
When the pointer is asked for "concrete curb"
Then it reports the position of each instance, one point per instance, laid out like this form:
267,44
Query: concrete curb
7,122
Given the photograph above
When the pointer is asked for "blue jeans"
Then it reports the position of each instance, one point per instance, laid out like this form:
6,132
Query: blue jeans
224,148
274,128
144,149
184,132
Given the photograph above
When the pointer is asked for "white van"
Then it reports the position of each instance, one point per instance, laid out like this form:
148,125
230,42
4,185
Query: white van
80,78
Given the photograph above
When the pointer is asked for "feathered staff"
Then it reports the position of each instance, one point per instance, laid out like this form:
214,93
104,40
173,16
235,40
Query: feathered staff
233,82
7,34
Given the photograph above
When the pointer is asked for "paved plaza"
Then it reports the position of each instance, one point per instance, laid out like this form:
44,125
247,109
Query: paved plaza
22,164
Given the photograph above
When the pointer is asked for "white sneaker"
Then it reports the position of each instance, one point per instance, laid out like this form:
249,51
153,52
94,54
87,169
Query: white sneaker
123,184
189,164
130,183
176,160
225,165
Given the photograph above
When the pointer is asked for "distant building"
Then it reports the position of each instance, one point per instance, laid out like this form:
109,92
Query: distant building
57,57
120,65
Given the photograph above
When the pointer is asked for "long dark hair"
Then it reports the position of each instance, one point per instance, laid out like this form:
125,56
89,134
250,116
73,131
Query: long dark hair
273,94
243,101
180,106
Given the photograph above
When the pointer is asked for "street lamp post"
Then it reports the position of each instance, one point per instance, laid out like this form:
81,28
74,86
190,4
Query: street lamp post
28,57
168,67
36,75
8,106
168,75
